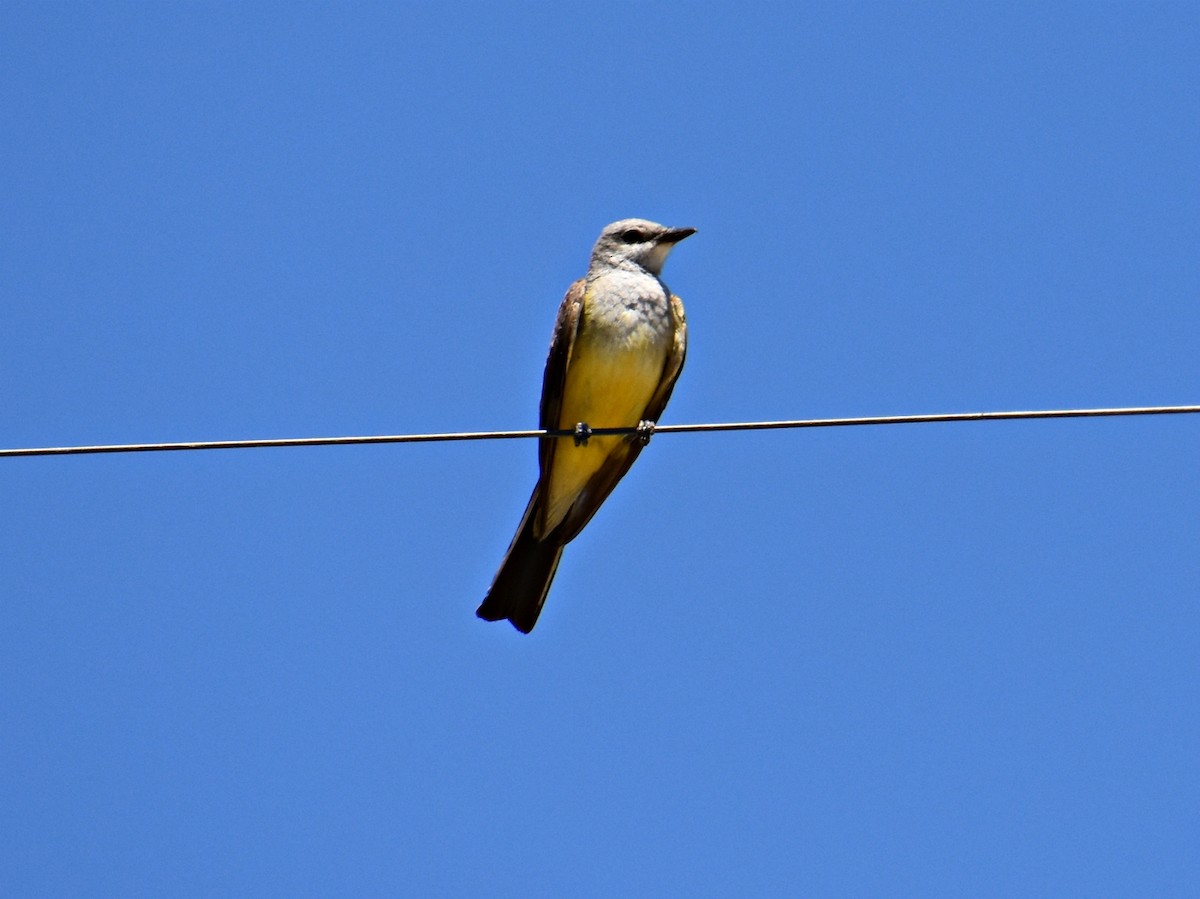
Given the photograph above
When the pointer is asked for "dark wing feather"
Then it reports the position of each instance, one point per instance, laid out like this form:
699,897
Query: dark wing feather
554,380
674,364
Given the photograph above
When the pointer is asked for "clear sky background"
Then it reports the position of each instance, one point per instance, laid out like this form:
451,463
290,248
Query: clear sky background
933,660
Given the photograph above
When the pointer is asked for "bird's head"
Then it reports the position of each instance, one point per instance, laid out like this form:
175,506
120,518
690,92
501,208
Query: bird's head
637,242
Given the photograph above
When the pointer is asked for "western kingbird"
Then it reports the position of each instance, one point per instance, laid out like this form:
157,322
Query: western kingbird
617,349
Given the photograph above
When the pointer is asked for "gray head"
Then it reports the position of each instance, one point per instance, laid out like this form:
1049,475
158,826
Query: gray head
636,243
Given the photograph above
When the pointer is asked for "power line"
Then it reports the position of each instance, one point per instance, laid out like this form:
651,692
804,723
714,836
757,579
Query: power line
600,432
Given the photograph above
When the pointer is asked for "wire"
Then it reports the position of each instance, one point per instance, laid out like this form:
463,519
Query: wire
600,432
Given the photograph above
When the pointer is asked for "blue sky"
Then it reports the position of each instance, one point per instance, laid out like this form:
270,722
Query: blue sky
934,660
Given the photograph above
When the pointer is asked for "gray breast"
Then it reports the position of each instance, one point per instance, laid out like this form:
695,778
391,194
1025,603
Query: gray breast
634,305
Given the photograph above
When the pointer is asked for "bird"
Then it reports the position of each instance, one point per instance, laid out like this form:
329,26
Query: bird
618,347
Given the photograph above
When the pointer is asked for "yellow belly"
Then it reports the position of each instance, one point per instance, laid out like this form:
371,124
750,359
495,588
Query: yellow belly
608,386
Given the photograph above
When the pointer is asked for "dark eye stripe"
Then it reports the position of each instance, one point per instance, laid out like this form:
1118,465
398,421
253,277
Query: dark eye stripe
632,236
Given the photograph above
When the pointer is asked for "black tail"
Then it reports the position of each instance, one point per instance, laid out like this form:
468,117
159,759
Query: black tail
519,589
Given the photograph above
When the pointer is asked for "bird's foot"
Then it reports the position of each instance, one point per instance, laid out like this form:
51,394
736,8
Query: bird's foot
582,433
645,430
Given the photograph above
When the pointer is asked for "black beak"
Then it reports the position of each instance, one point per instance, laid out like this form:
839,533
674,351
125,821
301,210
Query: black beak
676,234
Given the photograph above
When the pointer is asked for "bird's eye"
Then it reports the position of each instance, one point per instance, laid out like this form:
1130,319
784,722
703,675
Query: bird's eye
632,236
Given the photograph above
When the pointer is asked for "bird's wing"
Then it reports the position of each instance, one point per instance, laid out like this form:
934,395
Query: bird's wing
554,380
673,366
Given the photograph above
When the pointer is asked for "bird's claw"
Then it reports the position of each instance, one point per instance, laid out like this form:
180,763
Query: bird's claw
582,433
645,430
